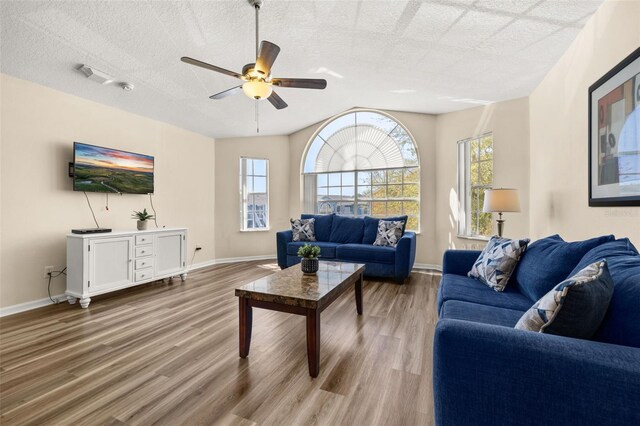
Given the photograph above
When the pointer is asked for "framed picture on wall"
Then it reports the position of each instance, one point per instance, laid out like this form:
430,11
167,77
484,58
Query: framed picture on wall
614,136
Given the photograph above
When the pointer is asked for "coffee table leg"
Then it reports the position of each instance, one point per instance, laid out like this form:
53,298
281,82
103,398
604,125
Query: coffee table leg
246,320
313,341
359,295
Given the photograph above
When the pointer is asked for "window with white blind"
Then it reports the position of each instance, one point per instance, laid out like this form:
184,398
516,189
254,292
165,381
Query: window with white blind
363,163
475,175
254,194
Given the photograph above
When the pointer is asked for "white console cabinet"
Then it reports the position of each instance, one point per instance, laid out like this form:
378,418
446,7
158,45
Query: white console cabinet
101,263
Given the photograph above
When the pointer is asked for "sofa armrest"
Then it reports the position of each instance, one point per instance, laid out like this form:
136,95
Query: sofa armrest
282,239
485,374
405,255
458,262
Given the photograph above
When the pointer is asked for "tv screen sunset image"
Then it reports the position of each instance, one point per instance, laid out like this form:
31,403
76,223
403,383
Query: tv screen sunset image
99,169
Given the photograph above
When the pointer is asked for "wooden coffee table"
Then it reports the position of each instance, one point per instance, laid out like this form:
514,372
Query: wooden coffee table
293,292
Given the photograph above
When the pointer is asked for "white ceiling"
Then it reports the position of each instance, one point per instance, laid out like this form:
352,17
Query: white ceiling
432,57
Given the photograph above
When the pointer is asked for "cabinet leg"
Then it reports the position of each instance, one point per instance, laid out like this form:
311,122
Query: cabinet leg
84,302
183,277
72,300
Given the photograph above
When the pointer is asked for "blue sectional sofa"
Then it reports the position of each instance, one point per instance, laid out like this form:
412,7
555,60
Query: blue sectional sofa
349,239
485,372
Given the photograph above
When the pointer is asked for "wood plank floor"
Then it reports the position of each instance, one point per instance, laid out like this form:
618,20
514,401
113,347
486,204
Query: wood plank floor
167,353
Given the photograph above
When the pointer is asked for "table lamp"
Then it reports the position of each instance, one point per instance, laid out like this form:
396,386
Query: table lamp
501,200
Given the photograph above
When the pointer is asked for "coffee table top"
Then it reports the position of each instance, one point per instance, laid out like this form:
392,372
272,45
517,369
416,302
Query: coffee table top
291,287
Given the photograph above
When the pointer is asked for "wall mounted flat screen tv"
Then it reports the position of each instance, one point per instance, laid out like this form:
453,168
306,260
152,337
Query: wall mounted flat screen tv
99,169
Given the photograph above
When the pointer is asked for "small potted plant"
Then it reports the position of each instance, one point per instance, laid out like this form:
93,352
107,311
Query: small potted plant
309,255
142,218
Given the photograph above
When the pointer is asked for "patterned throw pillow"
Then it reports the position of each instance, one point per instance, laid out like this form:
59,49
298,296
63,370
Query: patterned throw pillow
303,229
575,307
497,261
389,233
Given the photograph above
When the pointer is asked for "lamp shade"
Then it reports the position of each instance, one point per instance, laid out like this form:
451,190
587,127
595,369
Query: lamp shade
501,200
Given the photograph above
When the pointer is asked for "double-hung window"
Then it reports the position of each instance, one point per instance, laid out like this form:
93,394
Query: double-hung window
254,194
475,175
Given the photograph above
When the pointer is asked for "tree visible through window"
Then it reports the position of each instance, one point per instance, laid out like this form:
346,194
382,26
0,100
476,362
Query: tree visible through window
475,175
254,194
363,163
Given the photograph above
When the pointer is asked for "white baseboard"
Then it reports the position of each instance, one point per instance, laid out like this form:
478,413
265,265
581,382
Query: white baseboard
429,266
201,265
220,261
27,306
245,258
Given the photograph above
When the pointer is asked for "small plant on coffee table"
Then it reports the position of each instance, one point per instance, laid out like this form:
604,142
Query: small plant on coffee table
308,251
309,255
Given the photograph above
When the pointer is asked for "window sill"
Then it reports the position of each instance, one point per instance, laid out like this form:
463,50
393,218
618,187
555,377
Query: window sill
256,230
474,238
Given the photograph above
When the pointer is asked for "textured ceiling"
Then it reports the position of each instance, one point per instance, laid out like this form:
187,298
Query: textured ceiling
432,57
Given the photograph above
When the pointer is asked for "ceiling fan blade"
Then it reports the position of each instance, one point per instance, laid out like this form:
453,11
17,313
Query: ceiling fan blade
205,65
227,92
277,101
300,83
266,56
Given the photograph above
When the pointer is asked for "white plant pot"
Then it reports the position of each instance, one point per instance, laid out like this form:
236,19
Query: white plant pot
142,225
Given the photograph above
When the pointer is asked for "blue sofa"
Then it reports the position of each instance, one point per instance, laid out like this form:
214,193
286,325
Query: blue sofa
485,372
349,239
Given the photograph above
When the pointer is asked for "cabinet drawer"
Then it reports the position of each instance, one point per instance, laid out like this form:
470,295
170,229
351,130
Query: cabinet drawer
145,262
143,251
144,274
143,239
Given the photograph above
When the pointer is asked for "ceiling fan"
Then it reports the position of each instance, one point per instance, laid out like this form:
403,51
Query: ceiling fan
258,82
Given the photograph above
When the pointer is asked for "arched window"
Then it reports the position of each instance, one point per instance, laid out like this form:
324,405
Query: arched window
363,163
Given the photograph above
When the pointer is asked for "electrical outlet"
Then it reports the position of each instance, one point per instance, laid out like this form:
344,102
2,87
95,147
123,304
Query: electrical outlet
47,271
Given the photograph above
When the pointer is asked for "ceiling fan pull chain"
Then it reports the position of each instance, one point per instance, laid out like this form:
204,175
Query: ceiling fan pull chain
257,118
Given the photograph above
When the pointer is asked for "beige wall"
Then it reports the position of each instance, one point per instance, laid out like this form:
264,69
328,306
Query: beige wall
39,126
509,123
230,241
559,144
423,129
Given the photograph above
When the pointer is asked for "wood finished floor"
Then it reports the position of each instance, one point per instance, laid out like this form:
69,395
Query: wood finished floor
167,353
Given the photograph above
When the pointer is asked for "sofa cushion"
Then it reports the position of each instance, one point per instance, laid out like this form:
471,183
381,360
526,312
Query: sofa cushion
467,311
303,229
389,233
621,324
327,250
573,308
549,261
458,287
322,225
366,253
498,260
371,227
347,230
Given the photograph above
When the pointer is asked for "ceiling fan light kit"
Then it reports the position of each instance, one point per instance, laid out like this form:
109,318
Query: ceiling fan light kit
258,82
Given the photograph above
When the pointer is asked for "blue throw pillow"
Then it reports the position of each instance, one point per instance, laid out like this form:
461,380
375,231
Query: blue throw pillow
549,261
371,227
347,230
573,308
322,225
621,324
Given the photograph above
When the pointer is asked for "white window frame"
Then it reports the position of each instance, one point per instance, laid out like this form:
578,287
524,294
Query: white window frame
357,199
465,215
244,195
